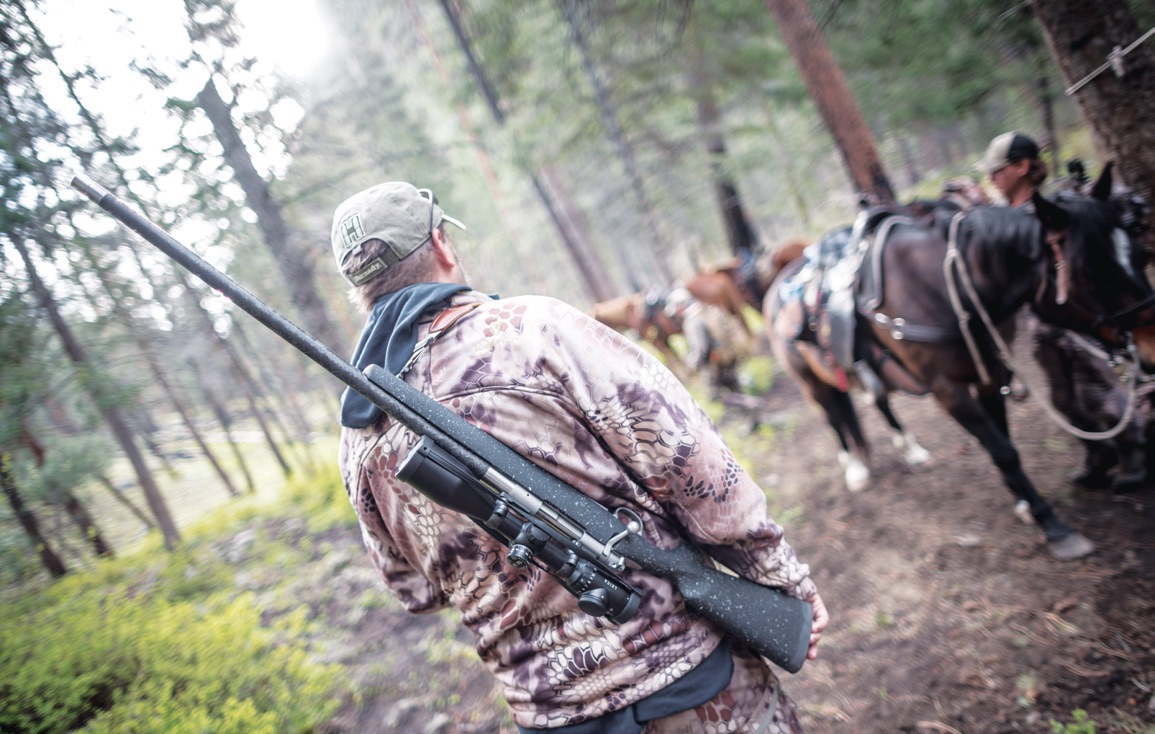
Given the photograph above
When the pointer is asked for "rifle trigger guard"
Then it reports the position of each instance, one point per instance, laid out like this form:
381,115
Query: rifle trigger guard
633,527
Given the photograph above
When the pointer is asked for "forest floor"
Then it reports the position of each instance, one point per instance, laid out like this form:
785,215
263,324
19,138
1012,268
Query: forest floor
949,616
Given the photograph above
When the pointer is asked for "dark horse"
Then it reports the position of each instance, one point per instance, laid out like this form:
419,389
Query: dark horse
1069,261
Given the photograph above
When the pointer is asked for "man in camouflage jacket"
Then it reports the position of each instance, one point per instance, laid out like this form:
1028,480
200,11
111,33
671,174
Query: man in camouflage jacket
588,405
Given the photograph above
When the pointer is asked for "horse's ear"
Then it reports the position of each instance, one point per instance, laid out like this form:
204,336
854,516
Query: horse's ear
1102,190
1053,216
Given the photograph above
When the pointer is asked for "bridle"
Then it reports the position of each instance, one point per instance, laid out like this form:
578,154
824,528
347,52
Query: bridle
1119,317
954,261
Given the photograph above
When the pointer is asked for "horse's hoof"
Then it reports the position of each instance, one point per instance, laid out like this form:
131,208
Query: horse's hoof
1023,512
1072,546
917,456
857,477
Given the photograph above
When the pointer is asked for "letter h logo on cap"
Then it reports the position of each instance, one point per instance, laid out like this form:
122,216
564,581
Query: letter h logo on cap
351,229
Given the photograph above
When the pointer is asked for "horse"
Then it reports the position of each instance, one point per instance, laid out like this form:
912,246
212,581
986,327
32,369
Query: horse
933,309
718,289
646,315
716,341
742,280
1086,390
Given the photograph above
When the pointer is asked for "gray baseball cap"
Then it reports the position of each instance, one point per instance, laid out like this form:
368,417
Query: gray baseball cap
397,213
1006,149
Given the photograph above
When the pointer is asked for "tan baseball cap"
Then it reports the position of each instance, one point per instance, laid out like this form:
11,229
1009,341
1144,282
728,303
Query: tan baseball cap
1006,149
397,213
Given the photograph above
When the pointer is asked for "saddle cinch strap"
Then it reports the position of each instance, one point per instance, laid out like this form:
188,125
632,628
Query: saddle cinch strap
870,289
440,325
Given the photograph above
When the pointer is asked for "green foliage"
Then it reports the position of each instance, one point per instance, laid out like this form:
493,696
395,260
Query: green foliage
756,374
933,61
1083,724
147,645
323,500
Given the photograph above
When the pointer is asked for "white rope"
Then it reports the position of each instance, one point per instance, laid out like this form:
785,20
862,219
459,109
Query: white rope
1114,60
963,316
1005,354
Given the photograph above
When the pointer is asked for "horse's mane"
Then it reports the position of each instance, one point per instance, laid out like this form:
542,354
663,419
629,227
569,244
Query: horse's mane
998,232
1090,218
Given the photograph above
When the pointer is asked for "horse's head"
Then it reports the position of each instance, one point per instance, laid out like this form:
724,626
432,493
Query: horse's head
1094,281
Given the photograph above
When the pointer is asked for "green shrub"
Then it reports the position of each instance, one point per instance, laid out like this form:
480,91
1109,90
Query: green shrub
117,663
161,642
321,498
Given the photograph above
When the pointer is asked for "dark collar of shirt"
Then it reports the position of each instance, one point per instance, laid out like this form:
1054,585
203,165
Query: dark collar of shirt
388,340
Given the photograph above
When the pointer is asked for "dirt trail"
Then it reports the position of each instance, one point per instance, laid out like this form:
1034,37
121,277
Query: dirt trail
949,614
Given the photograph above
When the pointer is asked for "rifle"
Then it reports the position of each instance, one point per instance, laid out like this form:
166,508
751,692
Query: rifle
540,518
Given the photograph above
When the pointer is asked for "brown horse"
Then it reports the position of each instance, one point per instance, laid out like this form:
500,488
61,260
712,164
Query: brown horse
717,288
937,286
645,315
727,286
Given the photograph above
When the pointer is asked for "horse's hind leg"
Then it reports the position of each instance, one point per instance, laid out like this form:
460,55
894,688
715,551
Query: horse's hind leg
912,452
840,414
1063,541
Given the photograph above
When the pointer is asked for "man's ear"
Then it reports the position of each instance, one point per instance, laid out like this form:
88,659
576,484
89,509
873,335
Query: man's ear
442,248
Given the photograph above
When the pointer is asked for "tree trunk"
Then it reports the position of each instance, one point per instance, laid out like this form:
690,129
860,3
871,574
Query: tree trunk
739,233
831,95
1119,110
1047,112
913,175
126,502
62,424
659,256
271,381
295,265
190,424
110,412
27,520
587,259
80,515
226,421
236,365
270,441
77,511
253,391
589,265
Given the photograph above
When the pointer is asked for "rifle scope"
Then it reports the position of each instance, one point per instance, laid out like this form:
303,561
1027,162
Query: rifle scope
449,483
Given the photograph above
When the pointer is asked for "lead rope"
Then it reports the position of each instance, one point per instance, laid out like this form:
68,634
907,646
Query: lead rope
963,316
1005,352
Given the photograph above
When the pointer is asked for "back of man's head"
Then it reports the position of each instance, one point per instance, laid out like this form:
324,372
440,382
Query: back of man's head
398,214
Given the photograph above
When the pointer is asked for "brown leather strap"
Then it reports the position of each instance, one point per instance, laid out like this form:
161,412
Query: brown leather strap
443,321
449,316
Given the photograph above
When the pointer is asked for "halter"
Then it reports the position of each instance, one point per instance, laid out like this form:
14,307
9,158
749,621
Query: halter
1117,317
1004,352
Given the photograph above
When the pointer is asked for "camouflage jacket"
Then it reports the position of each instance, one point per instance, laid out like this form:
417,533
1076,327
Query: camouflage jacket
591,407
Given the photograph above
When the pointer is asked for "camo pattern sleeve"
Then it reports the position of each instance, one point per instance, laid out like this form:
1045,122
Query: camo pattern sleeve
591,407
